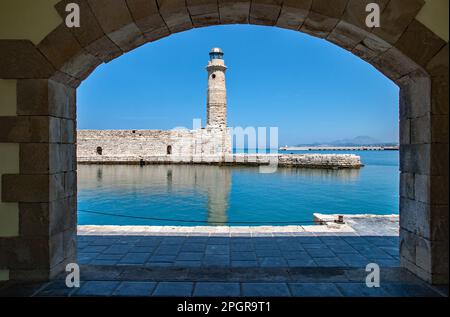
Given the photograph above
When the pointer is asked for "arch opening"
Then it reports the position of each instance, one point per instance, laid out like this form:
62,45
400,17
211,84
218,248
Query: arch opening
66,57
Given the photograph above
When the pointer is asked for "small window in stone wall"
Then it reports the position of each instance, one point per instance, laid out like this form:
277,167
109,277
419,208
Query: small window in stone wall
99,150
213,76
169,149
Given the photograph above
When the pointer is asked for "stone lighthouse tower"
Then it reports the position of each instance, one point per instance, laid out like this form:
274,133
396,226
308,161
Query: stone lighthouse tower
217,93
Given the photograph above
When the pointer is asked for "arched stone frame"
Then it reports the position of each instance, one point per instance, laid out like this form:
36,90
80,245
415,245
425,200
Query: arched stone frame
48,74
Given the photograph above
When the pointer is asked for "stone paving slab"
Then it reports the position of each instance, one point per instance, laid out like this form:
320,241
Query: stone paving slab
207,251
326,282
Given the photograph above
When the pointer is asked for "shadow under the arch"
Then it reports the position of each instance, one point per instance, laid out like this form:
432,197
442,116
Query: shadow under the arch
259,266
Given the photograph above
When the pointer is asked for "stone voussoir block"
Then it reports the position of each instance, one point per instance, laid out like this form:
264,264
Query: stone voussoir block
203,12
265,12
293,14
347,35
234,11
20,59
175,15
116,21
318,25
89,30
59,46
395,65
332,9
355,12
90,34
419,43
396,17
147,18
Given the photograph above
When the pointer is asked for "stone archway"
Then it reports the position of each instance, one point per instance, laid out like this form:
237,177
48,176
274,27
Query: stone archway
47,74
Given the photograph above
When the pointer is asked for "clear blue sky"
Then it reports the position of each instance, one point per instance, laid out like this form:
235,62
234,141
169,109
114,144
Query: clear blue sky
309,88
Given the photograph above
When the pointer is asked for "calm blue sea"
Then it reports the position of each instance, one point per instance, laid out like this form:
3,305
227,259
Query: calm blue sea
202,195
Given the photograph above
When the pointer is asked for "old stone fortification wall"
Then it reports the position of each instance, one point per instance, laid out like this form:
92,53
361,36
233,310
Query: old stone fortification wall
203,146
105,145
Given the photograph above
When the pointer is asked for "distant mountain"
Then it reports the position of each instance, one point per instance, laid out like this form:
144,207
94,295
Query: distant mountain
358,141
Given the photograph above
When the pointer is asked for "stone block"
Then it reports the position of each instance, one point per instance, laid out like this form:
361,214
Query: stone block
265,12
346,35
415,92
70,184
147,18
65,79
104,49
407,185
405,130
34,219
234,11
68,131
25,253
439,129
421,129
415,158
25,188
21,59
89,30
332,9
439,261
293,13
19,129
371,47
203,12
116,21
419,43
81,65
318,25
175,15
70,243
439,72
57,186
59,46
355,12
394,64
47,219
396,17
439,159
423,254
41,97
407,244
56,249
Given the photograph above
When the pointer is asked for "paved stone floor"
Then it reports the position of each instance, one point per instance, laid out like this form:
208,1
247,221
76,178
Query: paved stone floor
243,261
251,251
229,282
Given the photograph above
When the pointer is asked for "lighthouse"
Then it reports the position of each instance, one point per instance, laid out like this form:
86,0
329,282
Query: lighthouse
217,93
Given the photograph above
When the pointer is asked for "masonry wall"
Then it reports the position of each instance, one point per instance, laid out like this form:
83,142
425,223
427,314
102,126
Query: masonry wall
138,144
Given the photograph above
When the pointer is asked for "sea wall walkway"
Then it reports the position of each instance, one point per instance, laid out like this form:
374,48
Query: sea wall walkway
325,161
